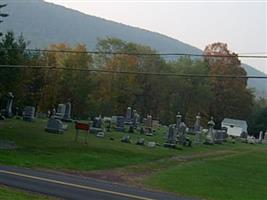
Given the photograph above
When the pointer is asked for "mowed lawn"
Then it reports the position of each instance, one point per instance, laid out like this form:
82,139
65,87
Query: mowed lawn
237,177
7,193
37,148
216,172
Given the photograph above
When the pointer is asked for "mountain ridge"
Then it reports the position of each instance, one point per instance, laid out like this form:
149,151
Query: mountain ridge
54,24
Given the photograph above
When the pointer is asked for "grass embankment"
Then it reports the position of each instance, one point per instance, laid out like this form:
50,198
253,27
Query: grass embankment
7,193
239,176
228,171
37,148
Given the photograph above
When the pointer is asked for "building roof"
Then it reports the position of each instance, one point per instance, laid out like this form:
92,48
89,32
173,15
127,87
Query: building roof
237,122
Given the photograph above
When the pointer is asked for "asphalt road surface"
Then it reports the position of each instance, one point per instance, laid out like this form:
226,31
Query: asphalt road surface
67,186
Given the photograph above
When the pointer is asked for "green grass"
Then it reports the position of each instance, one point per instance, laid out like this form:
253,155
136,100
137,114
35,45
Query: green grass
242,176
7,193
37,148
229,171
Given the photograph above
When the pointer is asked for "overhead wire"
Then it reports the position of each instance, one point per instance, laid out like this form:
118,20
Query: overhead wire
135,72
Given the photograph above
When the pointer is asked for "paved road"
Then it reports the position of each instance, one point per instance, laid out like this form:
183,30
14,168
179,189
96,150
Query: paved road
74,187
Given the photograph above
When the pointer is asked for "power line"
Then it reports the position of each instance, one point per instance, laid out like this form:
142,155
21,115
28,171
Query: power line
135,72
134,53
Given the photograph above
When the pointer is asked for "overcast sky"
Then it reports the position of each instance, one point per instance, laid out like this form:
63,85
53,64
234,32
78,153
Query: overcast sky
240,24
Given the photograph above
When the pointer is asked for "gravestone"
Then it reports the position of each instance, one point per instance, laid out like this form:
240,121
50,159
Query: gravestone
100,134
131,129
66,117
243,137
218,136
61,108
171,137
8,110
97,122
210,134
141,142
148,122
108,125
260,136
114,120
126,139
128,118
55,126
177,125
151,144
251,140
197,130
97,125
148,129
120,124
182,133
136,119
178,120
142,131
17,113
264,138
28,113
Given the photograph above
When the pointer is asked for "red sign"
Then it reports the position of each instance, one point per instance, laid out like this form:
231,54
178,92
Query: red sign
82,126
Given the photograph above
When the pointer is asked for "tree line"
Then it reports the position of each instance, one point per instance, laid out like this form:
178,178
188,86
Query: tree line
93,93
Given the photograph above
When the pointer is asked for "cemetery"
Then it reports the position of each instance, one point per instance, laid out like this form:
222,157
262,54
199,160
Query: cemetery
124,142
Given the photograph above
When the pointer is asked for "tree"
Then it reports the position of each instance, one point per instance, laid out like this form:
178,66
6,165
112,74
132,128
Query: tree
231,98
12,52
118,91
63,85
257,121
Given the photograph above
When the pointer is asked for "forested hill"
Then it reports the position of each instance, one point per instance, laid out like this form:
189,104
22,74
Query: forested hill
44,23
259,85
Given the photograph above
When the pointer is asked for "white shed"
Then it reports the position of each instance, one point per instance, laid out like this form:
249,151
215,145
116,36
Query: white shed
234,126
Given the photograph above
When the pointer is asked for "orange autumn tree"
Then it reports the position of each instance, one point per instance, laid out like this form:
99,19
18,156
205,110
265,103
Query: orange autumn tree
230,96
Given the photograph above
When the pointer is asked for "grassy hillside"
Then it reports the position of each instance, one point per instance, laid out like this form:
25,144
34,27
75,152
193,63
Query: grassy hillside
218,172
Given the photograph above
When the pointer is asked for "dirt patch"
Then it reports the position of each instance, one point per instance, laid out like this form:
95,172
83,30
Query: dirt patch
135,174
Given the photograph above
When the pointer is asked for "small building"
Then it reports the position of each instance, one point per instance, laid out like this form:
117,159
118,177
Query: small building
234,126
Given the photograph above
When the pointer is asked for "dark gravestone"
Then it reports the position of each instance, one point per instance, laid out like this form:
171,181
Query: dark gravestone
218,136
142,131
120,124
66,117
28,113
61,108
108,125
55,126
141,142
97,125
126,139
171,137
182,133
131,129
8,111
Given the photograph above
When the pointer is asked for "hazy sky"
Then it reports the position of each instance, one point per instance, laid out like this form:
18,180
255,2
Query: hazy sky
240,24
